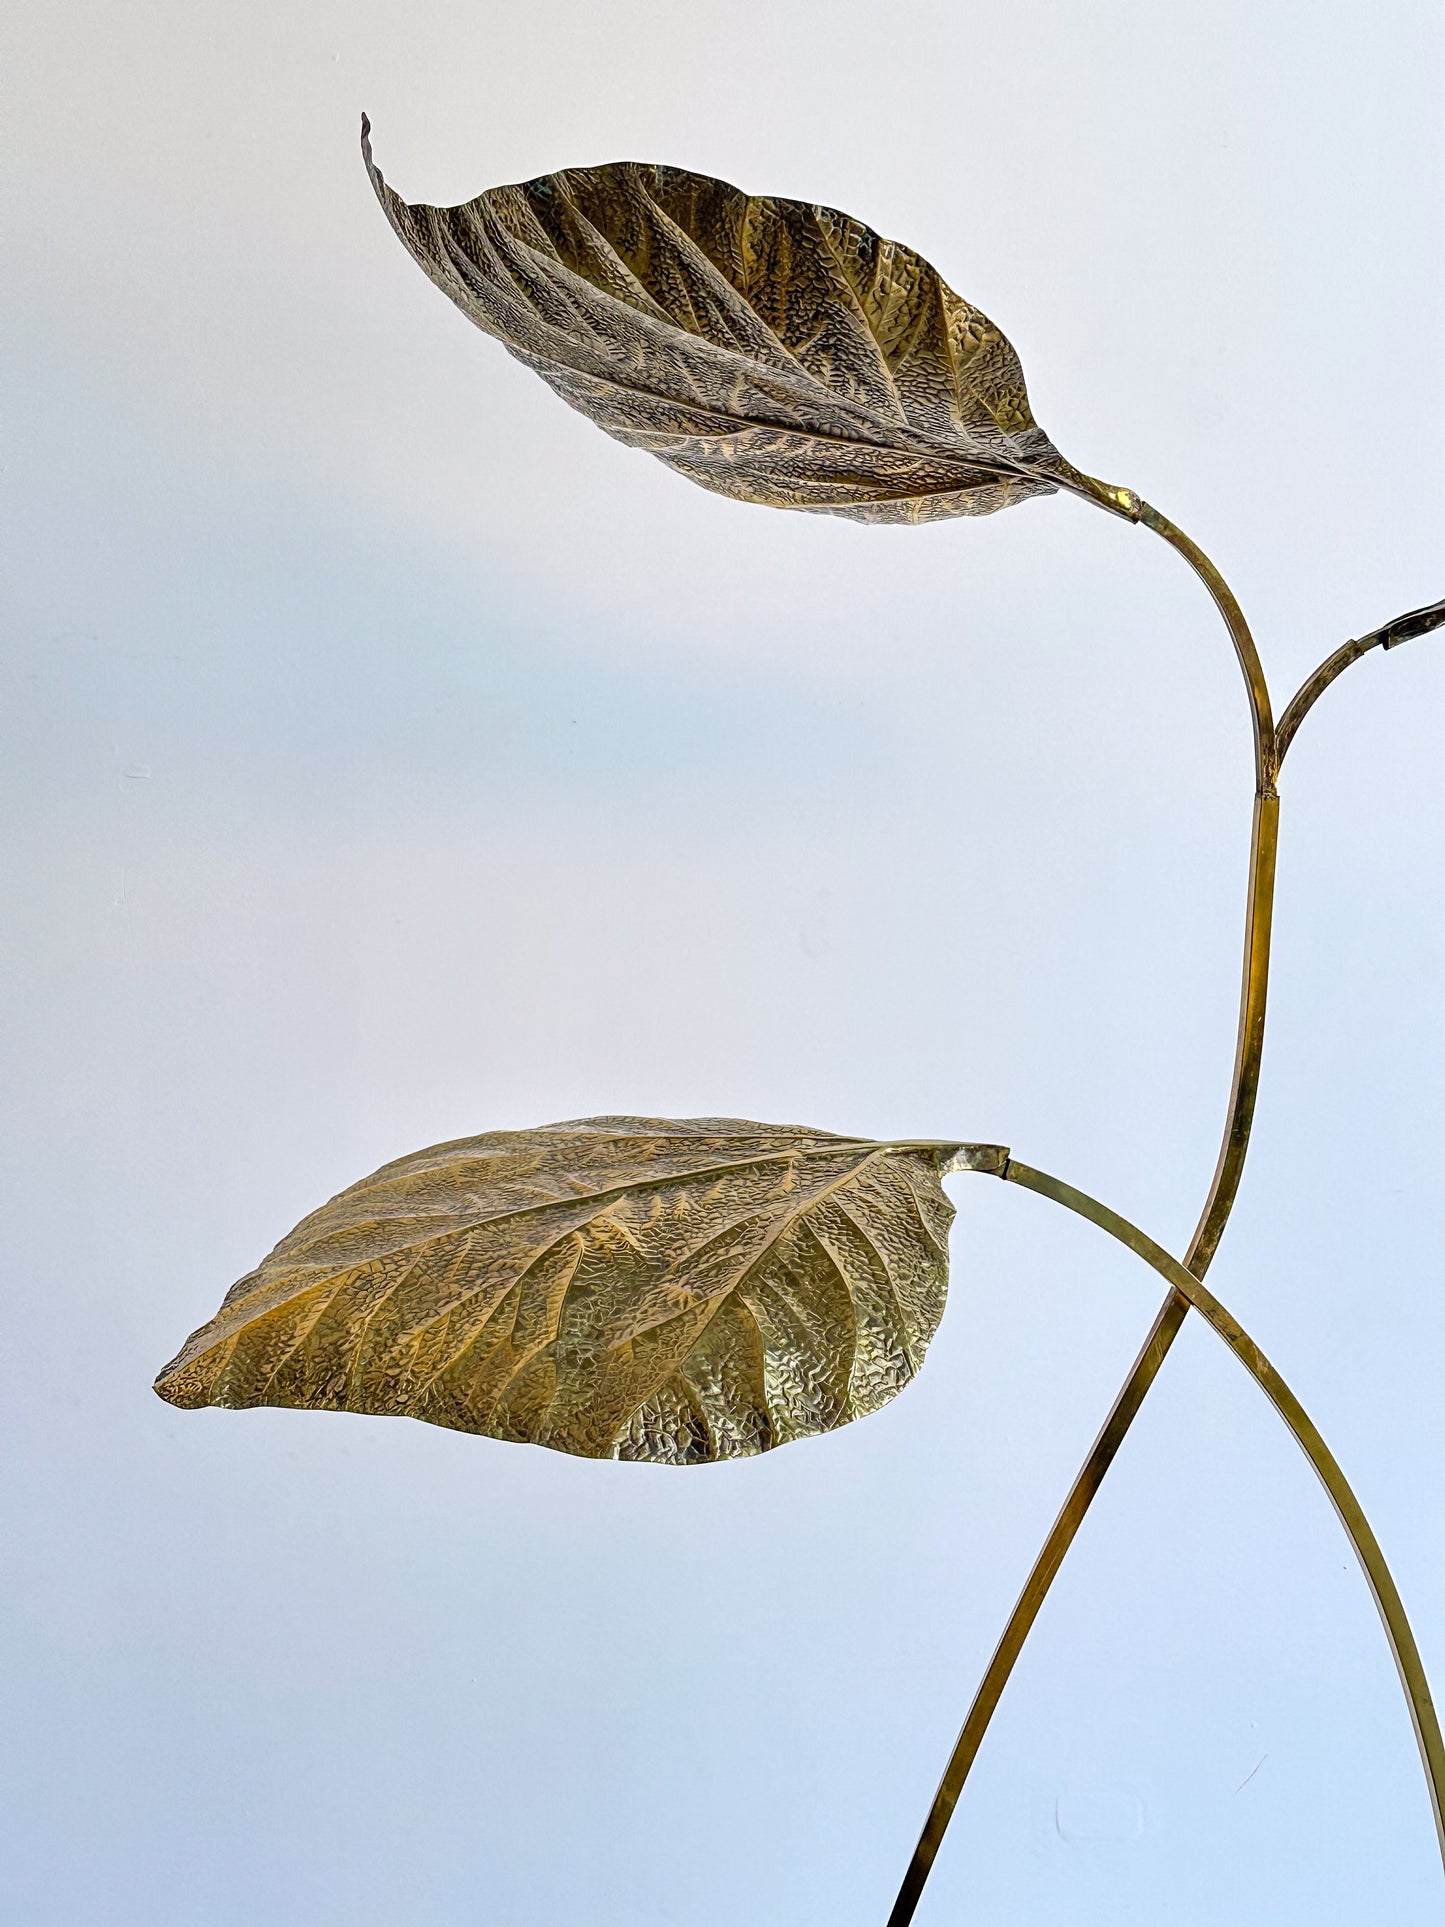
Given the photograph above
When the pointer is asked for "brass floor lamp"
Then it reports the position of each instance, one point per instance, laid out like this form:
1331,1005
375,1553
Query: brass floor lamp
683,1291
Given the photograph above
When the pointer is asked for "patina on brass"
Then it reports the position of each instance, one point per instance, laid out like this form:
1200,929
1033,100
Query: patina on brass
706,1289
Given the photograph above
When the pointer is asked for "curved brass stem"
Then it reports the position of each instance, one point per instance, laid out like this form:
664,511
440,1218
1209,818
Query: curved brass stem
1351,1514
1261,717
1313,687
1259,916
1415,622
1249,1044
1186,1290
1045,1569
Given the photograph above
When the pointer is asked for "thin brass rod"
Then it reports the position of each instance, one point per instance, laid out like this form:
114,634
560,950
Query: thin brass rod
1351,1514
1259,916
1131,1396
1310,691
1416,622
1259,707
1249,1043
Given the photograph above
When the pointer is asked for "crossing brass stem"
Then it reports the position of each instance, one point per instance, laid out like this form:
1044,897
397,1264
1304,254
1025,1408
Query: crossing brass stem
1186,1290
1372,1561
1249,1044
1172,1314
1259,913
1185,1280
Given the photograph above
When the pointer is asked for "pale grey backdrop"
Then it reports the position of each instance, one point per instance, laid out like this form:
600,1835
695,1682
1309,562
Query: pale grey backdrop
390,756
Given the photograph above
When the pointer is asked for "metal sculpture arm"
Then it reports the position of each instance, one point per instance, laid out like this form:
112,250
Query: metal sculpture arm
1249,1044
1415,622
1187,1290
1045,1569
1307,1437
1259,915
756,355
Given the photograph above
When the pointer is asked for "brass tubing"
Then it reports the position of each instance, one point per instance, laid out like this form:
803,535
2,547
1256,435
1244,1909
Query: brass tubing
1261,716
1186,1290
1155,1349
1259,916
1249,1042
1310,691
1415,622
1351,1514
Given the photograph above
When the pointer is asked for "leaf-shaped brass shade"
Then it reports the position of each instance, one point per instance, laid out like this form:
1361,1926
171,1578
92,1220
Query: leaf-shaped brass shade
774,351
617,1287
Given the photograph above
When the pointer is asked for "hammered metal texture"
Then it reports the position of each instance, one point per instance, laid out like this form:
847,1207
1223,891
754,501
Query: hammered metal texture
616,1287
774,351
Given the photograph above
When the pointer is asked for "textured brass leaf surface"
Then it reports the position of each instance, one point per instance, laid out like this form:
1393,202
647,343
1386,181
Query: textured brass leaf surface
635,1288
772,350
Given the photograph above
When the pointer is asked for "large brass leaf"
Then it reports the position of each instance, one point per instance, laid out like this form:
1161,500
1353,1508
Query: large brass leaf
618,1287
775,351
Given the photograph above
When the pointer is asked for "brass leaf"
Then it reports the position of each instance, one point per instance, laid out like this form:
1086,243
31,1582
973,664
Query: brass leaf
774,351
617,1287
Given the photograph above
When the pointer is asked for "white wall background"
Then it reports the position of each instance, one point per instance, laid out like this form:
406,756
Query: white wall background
389,756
